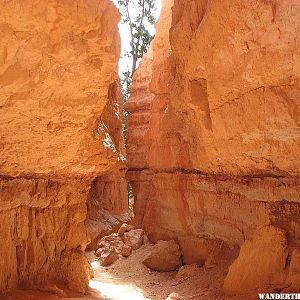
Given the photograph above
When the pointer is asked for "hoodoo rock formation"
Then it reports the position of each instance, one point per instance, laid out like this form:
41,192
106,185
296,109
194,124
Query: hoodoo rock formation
60,136
138,106
219,147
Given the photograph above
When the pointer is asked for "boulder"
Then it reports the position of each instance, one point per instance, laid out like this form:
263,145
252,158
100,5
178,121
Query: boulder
110,241
261,262
134,238
126,250
108,256
124,228
165,256
109,248
201,251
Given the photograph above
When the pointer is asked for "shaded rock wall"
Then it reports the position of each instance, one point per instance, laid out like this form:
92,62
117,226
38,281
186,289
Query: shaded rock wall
42,227
223,138
107,201
107,205
59,129
261,262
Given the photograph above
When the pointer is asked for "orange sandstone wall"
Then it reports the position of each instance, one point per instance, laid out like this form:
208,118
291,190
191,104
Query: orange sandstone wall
58,105
137,148
223,140
146,109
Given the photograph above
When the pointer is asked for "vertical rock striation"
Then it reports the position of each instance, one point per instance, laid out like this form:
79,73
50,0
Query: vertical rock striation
137,149
59,129
223,140
147,105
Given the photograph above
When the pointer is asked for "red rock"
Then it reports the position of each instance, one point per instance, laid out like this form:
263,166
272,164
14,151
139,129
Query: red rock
112,241
107,205
261,262
293,279
139,107
201,251
134,238
109,248
186,272
126,251
74,269
108,256
164,256
174,296
220,148
58,85
124,228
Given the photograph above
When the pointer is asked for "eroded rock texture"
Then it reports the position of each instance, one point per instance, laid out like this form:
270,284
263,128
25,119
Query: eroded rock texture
107,205
223,137
137,149
261,263
146,109
59,99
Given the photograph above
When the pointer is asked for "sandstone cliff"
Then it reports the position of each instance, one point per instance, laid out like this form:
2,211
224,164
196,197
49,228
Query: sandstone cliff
59,129
223,140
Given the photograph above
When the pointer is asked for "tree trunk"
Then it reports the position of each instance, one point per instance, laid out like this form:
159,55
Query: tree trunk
134,62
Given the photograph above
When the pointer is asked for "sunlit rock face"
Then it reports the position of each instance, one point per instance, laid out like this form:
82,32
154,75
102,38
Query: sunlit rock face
59,129
137,148
147,103
223,140
107,201
138,107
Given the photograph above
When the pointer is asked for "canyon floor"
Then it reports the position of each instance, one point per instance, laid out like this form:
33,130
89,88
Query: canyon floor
129,279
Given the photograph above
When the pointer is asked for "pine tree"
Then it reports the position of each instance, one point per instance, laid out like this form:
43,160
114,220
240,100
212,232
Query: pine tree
138,23
138,15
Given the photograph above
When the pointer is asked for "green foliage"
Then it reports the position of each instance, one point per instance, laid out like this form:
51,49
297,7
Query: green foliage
125,85
138,15
126,81
138,24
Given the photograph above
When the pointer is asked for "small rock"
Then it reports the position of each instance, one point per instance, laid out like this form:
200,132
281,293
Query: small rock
154,283
186,272
124,228
134,238
210,262
107,242
109,248
165,256
126,250
108,257
174,296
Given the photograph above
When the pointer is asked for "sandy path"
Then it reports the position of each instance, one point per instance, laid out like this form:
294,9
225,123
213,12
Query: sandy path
129,279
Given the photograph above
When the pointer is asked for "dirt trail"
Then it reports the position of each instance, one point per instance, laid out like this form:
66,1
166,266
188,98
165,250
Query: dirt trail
129,279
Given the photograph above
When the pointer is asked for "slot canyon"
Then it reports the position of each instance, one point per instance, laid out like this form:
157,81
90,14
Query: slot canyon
212,152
